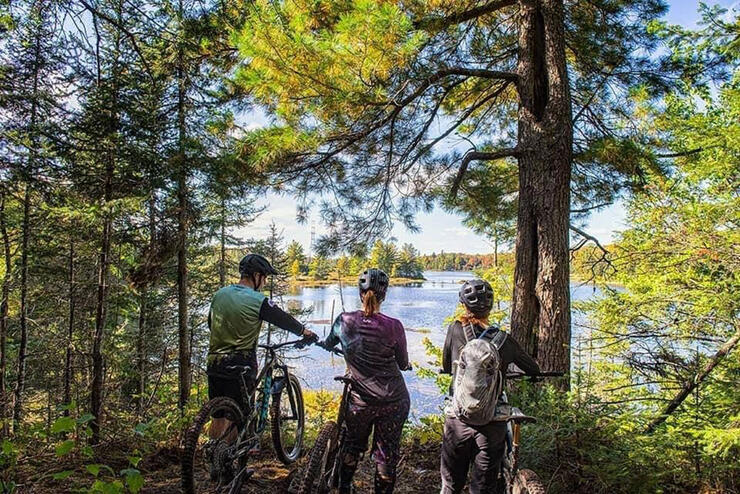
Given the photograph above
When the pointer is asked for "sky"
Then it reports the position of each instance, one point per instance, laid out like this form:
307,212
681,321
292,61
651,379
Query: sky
442,231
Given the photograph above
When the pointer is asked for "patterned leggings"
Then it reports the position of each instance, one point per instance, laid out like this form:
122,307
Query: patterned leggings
386,422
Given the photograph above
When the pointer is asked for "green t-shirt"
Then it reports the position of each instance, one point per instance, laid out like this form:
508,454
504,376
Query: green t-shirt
234,320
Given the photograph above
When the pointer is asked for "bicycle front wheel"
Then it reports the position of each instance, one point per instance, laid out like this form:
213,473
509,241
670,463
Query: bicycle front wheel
527,482
287,418
208,461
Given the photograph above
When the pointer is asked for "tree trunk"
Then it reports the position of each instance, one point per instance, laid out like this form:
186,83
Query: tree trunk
495,248
4,317
23,343
26,233
222,257
541,301
182,233
141,339
141,352
70,330
101,306
96,396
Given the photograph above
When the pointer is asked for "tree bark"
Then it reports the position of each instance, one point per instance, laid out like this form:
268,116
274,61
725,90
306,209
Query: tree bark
141,338
70,330
141,351
101,305
23,343
4,317
541,301
96,396
182,232
689,386
26,228
222,257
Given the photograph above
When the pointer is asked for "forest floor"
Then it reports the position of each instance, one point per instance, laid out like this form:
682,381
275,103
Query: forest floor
418,473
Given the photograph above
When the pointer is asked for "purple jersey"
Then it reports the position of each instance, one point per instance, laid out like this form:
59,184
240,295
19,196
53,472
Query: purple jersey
375,351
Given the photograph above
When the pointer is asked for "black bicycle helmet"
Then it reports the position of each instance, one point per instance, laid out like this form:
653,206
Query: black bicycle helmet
375,280
256,264
477,296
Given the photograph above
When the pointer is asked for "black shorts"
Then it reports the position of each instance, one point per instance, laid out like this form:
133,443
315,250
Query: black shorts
226,382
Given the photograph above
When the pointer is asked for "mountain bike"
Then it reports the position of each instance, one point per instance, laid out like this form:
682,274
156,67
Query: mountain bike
322,471
220,464
511,479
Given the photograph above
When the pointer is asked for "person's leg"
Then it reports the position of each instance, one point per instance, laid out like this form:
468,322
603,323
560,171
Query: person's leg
457,448
359,422
222,382
490,443
387,444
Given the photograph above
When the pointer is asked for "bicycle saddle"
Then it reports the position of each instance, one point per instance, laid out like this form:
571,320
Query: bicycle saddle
344,379
240,368
506,412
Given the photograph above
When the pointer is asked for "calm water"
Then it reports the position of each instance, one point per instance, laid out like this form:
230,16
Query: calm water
422,308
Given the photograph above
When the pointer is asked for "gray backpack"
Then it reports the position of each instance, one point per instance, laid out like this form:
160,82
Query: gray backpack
477,376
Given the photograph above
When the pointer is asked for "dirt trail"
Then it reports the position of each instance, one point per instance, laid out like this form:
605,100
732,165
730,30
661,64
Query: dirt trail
418,474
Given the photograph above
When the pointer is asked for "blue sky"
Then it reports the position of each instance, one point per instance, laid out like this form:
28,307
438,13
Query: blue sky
440,230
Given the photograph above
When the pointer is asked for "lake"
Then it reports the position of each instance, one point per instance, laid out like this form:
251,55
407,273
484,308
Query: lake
422,308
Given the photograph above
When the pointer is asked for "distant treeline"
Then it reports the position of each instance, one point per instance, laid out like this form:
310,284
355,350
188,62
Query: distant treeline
297,265
587,263
458,261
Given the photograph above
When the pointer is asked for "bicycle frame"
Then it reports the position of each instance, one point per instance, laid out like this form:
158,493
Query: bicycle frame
258,407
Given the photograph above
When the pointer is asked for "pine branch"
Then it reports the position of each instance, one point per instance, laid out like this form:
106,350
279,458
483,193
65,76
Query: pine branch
478,156
438,23
125,31
689,386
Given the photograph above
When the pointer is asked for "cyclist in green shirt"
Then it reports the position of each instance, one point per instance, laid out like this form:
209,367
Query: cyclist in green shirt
235,321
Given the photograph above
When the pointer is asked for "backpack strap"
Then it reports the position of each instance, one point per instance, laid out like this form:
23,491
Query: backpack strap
499,338
469,332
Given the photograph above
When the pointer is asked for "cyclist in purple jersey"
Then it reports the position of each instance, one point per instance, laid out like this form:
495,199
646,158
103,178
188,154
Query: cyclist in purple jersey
374,348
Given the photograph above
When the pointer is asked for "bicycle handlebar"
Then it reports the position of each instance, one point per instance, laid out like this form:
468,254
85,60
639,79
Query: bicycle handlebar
335,351
521,375
339,352
297,343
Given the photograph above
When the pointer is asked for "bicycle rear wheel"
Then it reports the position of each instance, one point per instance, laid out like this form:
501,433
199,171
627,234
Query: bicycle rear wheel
287,418
321,461
527,482
208,464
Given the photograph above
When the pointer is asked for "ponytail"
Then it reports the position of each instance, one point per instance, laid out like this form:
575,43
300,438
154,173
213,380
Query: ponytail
370,303
477,320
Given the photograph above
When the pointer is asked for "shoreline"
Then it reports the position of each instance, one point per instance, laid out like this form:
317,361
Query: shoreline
351,280
347,280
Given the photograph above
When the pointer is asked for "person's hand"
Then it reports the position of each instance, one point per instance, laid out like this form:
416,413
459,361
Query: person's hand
310,335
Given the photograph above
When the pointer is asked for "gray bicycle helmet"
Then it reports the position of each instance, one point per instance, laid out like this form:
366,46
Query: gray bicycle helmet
375,280
477,296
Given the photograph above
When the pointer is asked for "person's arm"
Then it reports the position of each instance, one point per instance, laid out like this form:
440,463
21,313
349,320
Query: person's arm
270,312
402,354
333,338
522,358
447,351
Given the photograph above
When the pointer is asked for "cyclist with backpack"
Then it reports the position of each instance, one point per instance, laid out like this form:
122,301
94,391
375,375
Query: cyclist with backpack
477,355
374,348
